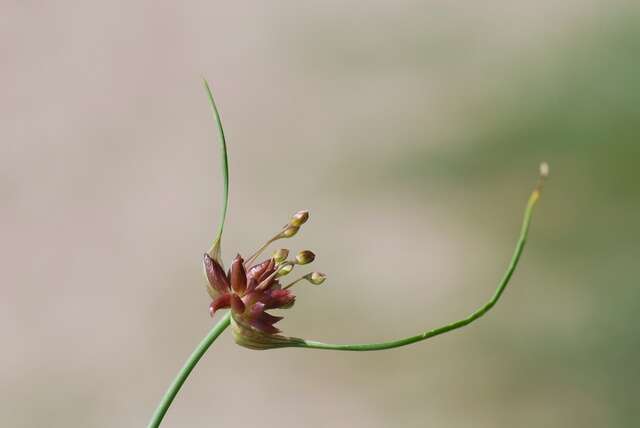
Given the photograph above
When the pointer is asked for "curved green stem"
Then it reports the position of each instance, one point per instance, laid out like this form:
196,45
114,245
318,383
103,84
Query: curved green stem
214,251
177,383
449,327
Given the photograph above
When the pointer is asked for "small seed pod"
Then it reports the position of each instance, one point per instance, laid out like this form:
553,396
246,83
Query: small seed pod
299,218
305,257
280,255
316,278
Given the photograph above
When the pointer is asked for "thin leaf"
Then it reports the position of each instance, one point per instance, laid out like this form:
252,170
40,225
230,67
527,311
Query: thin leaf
215,251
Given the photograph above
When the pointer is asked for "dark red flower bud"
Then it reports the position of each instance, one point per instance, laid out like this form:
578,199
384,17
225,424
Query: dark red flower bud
218,282
238,275
251,290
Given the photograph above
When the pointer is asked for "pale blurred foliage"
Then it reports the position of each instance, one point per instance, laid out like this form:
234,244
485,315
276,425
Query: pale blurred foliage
411,130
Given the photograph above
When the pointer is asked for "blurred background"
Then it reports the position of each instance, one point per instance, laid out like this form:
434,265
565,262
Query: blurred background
411,130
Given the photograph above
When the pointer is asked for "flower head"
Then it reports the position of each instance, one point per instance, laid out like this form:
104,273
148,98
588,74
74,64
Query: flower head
250,289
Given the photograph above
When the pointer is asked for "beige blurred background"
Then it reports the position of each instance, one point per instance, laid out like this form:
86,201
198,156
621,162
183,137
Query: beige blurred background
411,130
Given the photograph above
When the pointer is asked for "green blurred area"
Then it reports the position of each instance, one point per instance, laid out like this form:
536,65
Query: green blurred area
580,111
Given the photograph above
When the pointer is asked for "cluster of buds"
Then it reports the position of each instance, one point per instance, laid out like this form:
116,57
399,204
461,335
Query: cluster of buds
249,289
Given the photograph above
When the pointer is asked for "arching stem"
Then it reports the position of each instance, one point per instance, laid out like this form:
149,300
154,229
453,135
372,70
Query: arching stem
455,325
184,373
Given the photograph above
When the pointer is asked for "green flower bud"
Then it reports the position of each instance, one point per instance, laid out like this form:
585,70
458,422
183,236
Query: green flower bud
316,278
280,255
305,257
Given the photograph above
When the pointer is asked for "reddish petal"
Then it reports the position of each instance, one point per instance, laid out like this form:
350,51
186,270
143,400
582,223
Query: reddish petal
215,275
271,264
223,301
256,309
264,327
280,293
256,271
237,305
262,321
278,299
251,286
265,323
238,275
268,318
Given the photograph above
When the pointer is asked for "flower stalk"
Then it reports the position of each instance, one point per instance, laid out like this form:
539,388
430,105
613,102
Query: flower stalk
248,290
186,369
533,199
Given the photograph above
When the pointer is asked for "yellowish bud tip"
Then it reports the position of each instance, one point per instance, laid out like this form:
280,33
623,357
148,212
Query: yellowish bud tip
544,173
280,255
315,278
305,257
544,170
299,218
284,270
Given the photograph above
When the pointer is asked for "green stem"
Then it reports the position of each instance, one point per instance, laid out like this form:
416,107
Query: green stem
449,327
224,159
177,383
171,393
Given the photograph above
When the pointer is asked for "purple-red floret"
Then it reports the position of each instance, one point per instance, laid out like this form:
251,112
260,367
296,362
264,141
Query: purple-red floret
249,292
